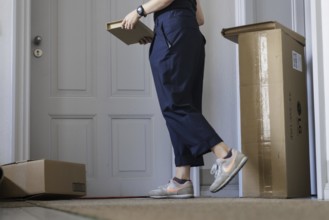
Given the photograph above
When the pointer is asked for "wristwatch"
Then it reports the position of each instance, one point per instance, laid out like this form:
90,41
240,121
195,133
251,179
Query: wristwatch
140,11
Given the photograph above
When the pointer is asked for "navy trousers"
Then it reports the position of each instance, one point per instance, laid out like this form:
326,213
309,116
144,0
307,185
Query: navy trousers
177,56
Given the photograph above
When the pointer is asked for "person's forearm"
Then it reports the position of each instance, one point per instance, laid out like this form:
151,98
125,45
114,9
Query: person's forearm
149,7
199,13
155,5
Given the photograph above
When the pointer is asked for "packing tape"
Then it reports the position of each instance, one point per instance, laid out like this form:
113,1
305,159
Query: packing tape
265,170
264,148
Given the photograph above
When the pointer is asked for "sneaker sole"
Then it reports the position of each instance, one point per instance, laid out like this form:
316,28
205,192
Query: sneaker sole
239,167
185,196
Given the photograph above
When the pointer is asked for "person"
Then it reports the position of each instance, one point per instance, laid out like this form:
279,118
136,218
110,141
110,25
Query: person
177,55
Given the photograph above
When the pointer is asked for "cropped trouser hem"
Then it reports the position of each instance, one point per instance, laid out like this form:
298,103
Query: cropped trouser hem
195,159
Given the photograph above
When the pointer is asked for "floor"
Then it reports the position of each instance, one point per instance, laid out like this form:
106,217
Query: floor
36,213
206,208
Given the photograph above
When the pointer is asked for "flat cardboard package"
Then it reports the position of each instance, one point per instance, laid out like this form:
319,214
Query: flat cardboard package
43,179
133,36
274,118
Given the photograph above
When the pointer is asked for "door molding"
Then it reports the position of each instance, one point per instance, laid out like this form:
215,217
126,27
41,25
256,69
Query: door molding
321,93
310,87
240,19
21,61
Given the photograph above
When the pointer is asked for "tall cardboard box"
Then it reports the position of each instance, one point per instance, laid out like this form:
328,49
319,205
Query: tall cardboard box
43,179
274,119
1,175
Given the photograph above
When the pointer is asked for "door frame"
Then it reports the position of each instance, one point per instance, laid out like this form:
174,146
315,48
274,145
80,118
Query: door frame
320,52
6,87
21,76
240,19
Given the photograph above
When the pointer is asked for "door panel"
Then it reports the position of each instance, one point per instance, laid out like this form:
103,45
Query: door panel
73,20
130,75
72,140
93,100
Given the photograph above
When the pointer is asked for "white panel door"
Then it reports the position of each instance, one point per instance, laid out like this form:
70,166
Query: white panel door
92,98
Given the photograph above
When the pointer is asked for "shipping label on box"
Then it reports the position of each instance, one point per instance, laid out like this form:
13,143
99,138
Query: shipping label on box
297,63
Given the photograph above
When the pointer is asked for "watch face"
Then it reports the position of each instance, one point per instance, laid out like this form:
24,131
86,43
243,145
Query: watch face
140,10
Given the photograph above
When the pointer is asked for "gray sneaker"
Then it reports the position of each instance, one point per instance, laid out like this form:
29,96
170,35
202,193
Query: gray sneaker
173,190
225,169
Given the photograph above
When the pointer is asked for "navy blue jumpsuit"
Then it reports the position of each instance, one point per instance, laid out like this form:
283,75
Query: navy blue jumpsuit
177,56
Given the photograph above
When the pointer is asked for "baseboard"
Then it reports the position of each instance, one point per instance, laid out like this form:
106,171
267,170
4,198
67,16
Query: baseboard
326,192
230,191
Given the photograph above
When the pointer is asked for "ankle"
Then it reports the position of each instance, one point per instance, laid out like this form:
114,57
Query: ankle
180,181
183,172
221,150
228,155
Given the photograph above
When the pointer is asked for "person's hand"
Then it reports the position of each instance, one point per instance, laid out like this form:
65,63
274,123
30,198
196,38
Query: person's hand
145,40
130,20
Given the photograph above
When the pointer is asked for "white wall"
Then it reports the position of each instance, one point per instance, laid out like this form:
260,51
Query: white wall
6,80
220,93
220,81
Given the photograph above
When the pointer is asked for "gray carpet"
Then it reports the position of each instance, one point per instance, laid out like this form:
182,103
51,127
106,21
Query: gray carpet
193,209
14,204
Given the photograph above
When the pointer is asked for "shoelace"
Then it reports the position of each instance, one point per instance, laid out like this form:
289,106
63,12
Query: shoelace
165,186
216,169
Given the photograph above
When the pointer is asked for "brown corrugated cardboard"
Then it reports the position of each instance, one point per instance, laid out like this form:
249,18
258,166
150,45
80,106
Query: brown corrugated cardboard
43,178
233,33
274,123
1,175
133,36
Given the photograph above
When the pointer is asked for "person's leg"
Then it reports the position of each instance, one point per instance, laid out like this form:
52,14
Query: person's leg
220,150
183,155
228,164
181,89
183,173
226,157
179,187
178,76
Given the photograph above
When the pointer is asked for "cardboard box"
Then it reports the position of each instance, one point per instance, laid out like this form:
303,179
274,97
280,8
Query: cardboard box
133,36
1,175
43,179
274,118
